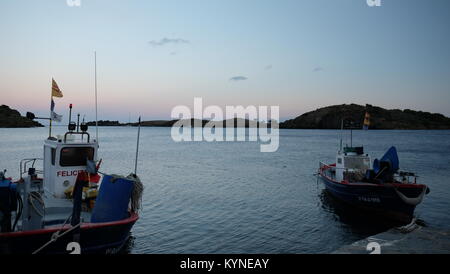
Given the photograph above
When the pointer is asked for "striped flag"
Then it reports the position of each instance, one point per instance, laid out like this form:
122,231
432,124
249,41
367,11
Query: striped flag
366,121
56,92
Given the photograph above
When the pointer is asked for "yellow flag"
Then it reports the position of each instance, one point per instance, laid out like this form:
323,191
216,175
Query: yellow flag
366,121
56,92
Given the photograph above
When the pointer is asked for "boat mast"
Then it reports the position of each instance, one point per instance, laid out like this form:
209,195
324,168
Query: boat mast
137,146
351,137
342,128
50,125
96,118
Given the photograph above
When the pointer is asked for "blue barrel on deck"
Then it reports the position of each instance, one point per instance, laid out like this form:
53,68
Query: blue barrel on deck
112,200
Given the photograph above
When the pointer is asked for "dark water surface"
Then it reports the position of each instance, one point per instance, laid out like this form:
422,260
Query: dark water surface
228,197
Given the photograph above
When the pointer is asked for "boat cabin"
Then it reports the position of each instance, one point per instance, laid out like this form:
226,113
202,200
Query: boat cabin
351,161
64,157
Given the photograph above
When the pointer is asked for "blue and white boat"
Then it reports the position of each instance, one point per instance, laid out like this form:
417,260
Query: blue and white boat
379,187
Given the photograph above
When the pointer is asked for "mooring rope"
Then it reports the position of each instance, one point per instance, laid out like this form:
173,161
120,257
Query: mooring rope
138,189
411,201
409,227
55,236
36,196
136,196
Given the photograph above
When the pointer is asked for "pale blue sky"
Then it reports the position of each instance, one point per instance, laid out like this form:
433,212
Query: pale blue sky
154,55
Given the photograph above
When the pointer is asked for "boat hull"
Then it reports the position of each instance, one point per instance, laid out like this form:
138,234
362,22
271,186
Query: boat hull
380,199
94,238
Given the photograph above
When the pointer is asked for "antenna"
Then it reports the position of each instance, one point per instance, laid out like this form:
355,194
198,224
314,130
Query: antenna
351,125
342,128
351,137
51,114
96,118
78,122
137,146
70,113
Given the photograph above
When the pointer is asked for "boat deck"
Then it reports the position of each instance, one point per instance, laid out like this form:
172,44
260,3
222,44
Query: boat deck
58,210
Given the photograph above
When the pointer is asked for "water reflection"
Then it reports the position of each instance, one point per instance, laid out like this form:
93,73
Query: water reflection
355,220
128,245
228,197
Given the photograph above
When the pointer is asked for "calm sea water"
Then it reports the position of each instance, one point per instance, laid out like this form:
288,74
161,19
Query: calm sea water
228,197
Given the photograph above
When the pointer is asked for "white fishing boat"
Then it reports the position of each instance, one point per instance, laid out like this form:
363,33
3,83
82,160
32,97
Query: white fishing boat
62,203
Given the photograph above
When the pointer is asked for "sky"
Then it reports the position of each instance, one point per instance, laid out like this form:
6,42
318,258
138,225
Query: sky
153,55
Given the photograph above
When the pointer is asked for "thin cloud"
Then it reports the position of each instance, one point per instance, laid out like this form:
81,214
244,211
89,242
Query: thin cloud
238,78
317,69
268,67
165,41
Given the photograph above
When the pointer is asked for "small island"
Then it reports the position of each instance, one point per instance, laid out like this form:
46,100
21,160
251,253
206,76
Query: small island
104,123
330,118
11,118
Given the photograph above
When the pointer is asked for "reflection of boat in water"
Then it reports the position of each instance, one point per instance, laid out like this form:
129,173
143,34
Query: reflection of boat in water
381,188
354,218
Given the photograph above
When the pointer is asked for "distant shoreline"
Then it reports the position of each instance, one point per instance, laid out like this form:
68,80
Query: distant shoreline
328,129
331,117
323,118
11,118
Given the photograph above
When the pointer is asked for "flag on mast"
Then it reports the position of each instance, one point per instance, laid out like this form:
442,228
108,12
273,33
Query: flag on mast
366,121
56,117
56,92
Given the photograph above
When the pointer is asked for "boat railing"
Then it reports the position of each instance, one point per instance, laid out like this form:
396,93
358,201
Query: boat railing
70,133
326,167
25,164
406,177
323,166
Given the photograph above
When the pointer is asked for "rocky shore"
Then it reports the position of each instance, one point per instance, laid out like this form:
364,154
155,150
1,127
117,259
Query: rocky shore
380,118
11,118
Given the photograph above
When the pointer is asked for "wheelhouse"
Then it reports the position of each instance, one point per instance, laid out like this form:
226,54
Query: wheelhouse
64,157
351,160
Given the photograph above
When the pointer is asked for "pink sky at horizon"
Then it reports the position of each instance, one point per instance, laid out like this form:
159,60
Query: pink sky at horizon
298,55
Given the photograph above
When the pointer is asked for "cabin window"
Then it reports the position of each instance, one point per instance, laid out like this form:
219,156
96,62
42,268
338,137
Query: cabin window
339,160
76,156
53,156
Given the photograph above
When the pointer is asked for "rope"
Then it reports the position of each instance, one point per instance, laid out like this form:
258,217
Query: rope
409,227
35,196
55,236
138,189
136,196
411,201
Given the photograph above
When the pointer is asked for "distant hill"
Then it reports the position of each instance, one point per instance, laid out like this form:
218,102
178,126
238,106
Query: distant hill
12,118
380,118
156,123
164,123
104,123
169,123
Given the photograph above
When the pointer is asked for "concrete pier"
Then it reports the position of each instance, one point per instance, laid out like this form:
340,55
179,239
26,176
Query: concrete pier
409,240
